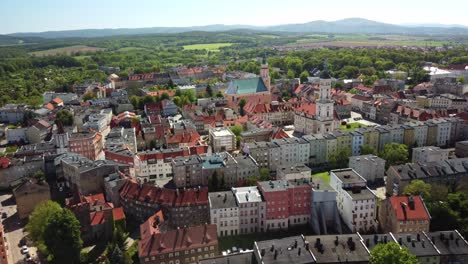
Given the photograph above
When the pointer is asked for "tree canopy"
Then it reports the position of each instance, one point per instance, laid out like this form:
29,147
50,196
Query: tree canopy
395,154
56,232
418,187
391,253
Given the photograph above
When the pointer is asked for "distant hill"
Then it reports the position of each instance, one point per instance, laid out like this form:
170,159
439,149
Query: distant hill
349,25
6,40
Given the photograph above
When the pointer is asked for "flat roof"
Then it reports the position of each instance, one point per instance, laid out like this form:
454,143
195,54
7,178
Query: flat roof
361,194
293,169
338,248
225,199
286,250
348,175
221,132
449,242
247,194
417,245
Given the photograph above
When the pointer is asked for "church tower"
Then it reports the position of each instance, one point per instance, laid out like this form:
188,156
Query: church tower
325,105
265,73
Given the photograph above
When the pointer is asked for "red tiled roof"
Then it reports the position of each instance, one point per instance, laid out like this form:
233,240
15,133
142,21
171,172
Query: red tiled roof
118,213
307,108
361,97
49,106
164,196
178,240
190,138
419,213
96,197
4,162
151,226
57,100
97,218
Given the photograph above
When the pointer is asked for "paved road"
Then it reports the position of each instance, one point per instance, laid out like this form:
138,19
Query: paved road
14,230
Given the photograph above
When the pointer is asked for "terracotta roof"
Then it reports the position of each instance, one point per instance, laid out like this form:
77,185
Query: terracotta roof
400,205
49,106
178,240
97,218
4,162
118,213
189,138
307,108
169,197
361,97
151,226
57,100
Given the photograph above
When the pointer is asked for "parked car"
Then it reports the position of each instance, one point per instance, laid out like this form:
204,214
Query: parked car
24,250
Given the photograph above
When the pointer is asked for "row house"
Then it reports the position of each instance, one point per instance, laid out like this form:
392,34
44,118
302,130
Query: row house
287,203
370,167
182,246
88,144
181,207
446,172
442,247
278,114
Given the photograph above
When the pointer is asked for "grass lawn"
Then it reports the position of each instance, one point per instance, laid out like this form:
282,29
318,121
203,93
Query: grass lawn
66,50
246,241
323,175
353,126
208,47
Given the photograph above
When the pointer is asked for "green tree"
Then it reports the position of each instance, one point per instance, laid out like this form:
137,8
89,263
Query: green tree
164,96
64,117
367,149
39,175
290,74
340,158
395,154
418,187
62,238
304,76
391,253
219,95
38,222
209,90
116,256
89,96
242,103
264,174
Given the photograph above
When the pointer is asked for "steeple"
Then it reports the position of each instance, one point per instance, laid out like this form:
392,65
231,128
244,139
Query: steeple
325,74
265,72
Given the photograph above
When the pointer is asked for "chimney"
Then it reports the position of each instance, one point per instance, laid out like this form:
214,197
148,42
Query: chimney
411,203
276,254
418,237
299,251
403,207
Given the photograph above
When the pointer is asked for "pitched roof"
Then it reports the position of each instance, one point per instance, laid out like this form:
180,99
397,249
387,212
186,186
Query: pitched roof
403,210
97,218
247,86
178,240
57,100
118,213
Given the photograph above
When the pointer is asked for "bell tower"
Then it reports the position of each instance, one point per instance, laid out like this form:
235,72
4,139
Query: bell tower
265,73
325,105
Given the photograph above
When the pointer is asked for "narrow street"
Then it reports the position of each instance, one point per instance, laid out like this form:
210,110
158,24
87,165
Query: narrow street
14,230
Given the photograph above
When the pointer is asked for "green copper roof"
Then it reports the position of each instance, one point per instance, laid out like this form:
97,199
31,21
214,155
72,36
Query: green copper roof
247,86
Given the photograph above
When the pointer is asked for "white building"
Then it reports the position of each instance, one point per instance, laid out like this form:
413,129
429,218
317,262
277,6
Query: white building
222,139
224,212
252,209
292,151
292,173
152,166
324,217
357,204
370,167
429,154
420,132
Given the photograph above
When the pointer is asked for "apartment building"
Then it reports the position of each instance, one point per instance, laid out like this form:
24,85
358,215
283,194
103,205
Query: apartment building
224,212
370,167
402,214
222,139
429,154
357,204
252,210
87,144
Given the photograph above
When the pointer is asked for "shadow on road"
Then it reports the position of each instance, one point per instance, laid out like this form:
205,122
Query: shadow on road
12,223
9,202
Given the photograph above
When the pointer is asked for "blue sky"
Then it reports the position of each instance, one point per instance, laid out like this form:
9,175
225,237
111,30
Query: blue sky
47,15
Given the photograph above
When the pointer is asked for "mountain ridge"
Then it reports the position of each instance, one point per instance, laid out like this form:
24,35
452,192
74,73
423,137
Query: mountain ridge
352,25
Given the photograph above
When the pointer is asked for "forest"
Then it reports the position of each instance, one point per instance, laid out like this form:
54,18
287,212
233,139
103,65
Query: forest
25,74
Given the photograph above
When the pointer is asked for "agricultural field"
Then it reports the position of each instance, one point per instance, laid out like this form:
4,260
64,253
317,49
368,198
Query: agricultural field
213,47
65,50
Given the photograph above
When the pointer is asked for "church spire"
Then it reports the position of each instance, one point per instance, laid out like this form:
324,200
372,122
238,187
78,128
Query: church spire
325,74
